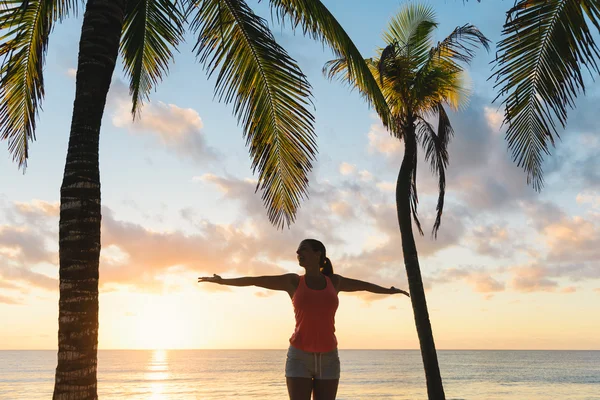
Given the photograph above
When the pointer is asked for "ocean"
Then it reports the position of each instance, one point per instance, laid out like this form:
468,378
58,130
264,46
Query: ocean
366,374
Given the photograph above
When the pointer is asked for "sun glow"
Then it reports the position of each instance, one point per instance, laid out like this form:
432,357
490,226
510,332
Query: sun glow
160,325
157,374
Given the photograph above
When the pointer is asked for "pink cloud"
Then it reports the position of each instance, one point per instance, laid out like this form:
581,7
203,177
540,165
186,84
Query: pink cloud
531,279
569,289
9,300
479,279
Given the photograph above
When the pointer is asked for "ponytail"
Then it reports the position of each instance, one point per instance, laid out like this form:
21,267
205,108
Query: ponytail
327,268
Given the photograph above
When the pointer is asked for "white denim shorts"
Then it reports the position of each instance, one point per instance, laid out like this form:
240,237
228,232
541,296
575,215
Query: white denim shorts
304,364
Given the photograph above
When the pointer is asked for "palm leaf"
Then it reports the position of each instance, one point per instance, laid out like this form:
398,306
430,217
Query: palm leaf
270,96
539,70
152,28
461,44
436,153
411,31
440,83
25,27
441,77
316,20
413,195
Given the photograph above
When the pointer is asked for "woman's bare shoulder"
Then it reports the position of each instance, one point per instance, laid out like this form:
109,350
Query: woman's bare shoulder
335,280
293,278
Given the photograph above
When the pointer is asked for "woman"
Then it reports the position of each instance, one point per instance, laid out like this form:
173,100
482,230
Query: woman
312,364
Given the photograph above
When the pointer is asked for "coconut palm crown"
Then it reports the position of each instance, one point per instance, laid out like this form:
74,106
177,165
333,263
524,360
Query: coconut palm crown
419,79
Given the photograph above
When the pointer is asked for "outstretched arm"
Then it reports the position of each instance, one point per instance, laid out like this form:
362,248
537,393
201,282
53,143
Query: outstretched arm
355,285
286,282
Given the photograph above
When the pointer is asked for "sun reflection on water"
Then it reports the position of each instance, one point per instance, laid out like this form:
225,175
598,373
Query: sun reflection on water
157,374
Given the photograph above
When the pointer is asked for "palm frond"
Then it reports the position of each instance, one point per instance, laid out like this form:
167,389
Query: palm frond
436,153
461,44
25,27
316,21
270,95
545,44
440,83
386,60
413,195
411,31
441,78
151,30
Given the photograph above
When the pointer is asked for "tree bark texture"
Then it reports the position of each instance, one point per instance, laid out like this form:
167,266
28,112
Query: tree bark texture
80,216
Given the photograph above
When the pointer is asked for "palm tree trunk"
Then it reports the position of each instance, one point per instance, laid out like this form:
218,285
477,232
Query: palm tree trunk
79,227
435,389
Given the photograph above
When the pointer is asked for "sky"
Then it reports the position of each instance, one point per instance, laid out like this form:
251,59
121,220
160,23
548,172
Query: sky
511,268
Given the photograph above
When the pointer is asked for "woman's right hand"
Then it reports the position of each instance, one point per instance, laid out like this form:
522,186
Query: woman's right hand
214,279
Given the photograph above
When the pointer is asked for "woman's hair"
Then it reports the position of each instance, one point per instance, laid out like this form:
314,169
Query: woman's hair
325,262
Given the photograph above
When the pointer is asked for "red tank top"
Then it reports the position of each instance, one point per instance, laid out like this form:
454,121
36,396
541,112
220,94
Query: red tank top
315,317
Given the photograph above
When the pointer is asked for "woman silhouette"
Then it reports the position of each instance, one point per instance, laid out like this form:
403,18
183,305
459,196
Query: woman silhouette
312,365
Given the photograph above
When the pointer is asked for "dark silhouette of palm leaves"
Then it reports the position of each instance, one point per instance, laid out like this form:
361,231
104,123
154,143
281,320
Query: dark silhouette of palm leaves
25,27
539,70
151,31
271,96
316,21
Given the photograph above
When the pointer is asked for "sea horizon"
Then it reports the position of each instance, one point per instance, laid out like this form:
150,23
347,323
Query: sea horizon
252,374
285,348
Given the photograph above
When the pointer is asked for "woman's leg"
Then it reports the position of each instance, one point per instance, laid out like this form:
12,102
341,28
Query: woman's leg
299,388
326,389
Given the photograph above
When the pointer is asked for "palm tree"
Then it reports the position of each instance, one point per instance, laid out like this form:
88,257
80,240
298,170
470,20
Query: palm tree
269,92
419,80
539,71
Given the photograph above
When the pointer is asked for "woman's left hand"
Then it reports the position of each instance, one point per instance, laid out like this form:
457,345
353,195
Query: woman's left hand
393,290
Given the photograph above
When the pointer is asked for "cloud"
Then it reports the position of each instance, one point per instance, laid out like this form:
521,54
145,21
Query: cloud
9,300
494,118
589,197
497,241
347,169
37,208
24,245
481,173
4,284
177,129
380,141
365,176
571,243
479,279
531,279
342,209
569,289
573,239
482,282
386,186
26,278
148,254
385,219
574,163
